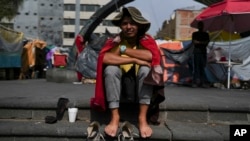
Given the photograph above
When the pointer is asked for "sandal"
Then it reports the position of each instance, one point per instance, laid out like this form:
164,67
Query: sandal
61,107
126,132
93,132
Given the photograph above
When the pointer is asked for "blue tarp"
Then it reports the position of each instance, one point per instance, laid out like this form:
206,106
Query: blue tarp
10,60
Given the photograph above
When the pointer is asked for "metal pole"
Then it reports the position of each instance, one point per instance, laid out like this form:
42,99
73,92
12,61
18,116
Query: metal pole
77,18
229,64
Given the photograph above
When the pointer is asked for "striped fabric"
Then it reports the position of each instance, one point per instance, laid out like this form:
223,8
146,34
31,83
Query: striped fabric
208,2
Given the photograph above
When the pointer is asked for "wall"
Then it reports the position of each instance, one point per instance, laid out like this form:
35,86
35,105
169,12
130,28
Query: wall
41,19
178,27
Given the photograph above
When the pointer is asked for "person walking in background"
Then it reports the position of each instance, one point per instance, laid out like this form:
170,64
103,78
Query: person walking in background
200,40
132,48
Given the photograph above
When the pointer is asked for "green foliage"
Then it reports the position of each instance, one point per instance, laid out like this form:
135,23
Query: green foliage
9,8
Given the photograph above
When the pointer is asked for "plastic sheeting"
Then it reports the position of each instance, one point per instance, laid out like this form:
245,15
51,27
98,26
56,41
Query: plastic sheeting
10,47
86,63
178,60
239,50
87,60
221,36
10,40
176,57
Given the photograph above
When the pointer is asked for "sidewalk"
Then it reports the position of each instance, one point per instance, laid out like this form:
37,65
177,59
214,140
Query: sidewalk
35,91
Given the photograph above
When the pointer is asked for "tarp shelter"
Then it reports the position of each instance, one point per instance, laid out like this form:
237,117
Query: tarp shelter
176,61
11,44
228,15
221,36
239,53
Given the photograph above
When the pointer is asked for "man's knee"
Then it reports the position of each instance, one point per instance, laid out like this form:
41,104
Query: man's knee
143,71
112,71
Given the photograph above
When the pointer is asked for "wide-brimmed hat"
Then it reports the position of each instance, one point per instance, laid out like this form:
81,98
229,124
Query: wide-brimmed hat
135,15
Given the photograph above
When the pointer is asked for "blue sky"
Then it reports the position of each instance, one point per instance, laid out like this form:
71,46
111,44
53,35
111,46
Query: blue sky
157,11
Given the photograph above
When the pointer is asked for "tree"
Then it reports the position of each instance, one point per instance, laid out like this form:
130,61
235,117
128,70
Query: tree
9,8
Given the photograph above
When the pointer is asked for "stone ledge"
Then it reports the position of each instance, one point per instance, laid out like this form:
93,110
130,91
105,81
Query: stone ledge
170,131
194,131
131,115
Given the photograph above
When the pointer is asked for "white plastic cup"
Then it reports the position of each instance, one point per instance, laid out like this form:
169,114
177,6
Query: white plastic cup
72,114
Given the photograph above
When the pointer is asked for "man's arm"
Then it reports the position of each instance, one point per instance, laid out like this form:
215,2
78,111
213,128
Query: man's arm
141,54
114,58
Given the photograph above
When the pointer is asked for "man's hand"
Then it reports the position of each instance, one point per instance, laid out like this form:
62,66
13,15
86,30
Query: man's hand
142,63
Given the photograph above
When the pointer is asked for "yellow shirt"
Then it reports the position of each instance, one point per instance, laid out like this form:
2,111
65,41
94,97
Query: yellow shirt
126,67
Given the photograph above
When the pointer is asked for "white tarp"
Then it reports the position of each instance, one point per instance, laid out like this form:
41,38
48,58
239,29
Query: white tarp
239,50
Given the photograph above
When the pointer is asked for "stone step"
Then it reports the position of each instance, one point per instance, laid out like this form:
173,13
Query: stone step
186,114
129,112
21,130
38,110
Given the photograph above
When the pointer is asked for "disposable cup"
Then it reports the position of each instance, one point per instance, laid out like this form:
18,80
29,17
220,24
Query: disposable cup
72,114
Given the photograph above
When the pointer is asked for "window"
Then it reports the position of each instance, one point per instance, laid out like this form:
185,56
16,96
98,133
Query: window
89,8
107,23
69,21
69,35
83,21
69,7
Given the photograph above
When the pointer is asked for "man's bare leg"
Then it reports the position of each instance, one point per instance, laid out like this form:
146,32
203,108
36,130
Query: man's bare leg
144,128
112,127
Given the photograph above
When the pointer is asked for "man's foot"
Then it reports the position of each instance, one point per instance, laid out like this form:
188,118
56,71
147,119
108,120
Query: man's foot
111,129
145,130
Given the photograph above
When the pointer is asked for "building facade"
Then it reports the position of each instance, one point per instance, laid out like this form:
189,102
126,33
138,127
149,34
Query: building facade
86,9
58,21
178,27
41,20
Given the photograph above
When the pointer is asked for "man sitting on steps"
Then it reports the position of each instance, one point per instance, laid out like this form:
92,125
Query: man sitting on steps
132,47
